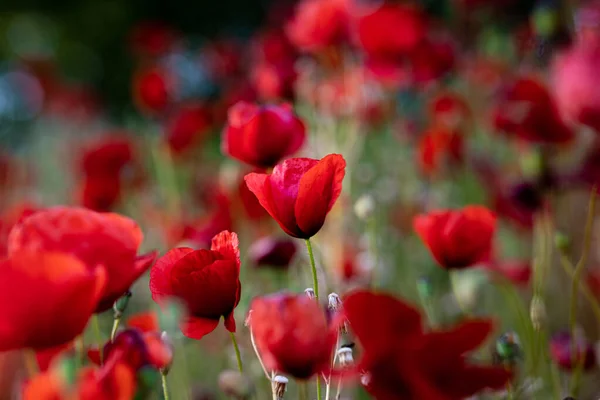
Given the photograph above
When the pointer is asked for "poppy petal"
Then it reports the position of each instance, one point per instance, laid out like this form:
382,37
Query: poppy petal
160,284
196,328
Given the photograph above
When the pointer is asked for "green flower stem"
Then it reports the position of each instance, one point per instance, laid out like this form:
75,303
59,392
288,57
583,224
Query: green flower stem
98,334
313,268
115,326
237,351
165,388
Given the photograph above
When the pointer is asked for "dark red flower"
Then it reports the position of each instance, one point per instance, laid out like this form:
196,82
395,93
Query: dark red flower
439,148
207,281
262,136
187,127
575,77
46,299
457,238
252,207
528,112
292,335
272,252
319,24
300,192
449,110
113,381
431,60
401,361
391,32
274,81
518,203
106,239
561,351
152,38
152,90
518,272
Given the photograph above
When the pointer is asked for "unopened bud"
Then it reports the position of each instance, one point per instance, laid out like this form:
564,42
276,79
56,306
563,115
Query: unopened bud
538,313
235,384
120,305
562,242
166,340
335,306
279,386
345,357
364,207
310,292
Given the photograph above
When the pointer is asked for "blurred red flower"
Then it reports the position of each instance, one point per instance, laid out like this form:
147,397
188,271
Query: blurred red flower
438,148
262,136
46,299
300,192
206,280
319,24
292,334
272,252
575,77
274,81
431,60
518,272
457,239
449,110
187,127
391,32
152,90
152,38
561,351
528,112
9,218
106,239
400,360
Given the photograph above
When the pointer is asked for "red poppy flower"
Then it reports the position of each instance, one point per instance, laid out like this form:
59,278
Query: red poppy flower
108,155
262,136
46,299
391,32
457,238
575,77
9,219
106,239
437,146
300,192
187,127
292,335
319,24
152,38
432,60
206,280
400,360
527,111
272,252
113,381
274,81
152,90
250,204
45,386
516,271
561,351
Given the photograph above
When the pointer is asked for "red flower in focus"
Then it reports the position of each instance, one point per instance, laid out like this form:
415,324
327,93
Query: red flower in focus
300,192
391,32
292,335
262,136
457,238
152,38
272,252
527,111
319,24
152,90
106,239
575,77
46,299
187,127
439,147
561,351
400,360
206,280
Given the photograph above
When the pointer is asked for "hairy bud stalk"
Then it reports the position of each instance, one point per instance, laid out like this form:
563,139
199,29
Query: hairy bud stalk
279,385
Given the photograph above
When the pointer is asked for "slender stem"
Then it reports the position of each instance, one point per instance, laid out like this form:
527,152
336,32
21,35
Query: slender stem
269,376
302,391
31,363
579,267
338,392
583,287
313,268
237,352
98,334
115,326
327,388
165,387
318,387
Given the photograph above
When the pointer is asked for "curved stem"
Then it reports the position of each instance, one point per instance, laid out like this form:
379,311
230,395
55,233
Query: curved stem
165,388
313,268
318,387
237,352
115,326
269,376
98,334
579,267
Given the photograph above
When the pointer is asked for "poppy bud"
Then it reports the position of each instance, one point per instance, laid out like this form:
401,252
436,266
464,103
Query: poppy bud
562,242
364,207
310,292
235,384
121,305
344,356
538,313
279,386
